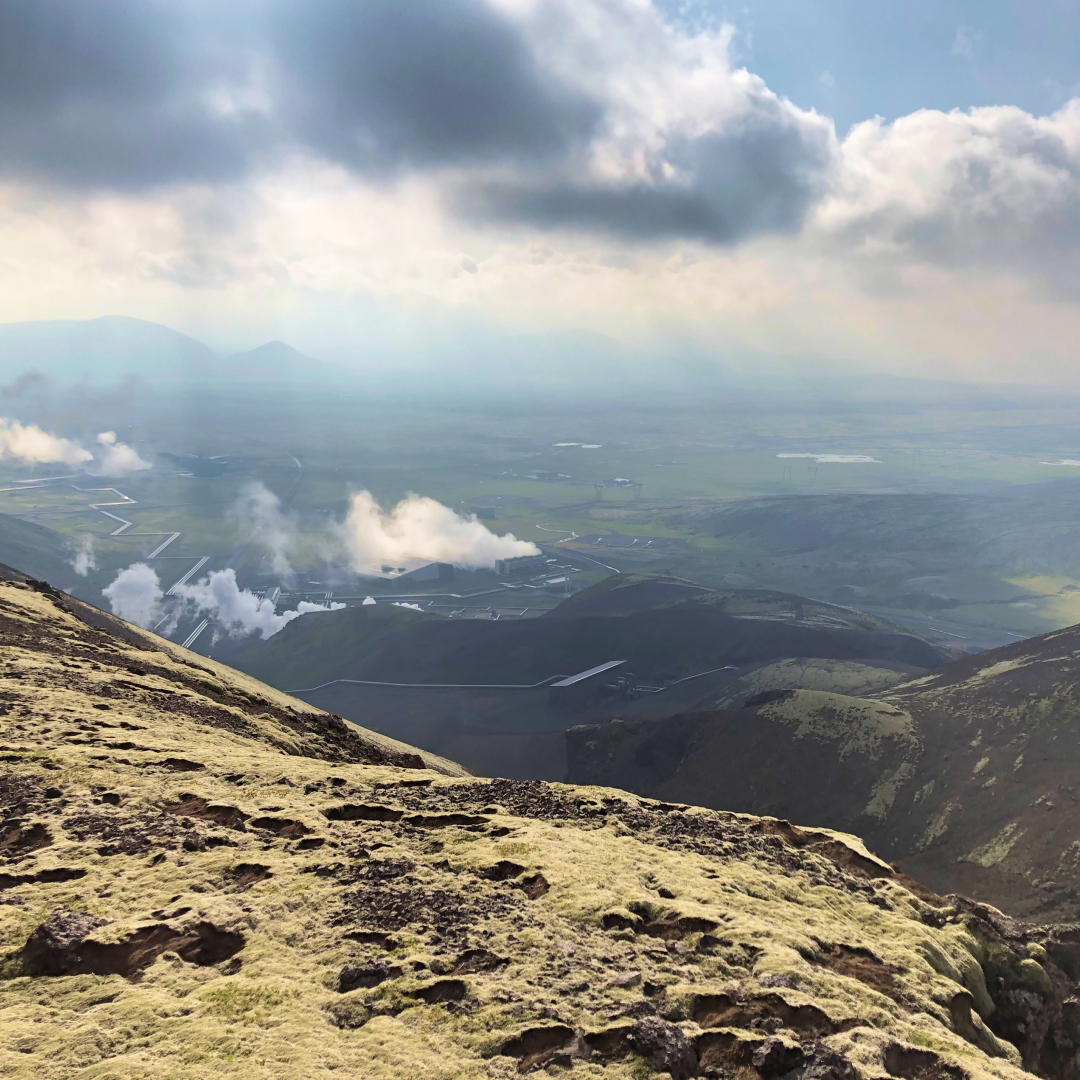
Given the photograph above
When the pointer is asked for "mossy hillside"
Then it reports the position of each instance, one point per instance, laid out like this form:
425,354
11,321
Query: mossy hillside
857,725
848,677
259,900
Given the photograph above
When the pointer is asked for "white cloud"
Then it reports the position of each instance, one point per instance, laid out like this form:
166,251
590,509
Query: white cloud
965,42
368,601
990,186
421,528
135,595
402,603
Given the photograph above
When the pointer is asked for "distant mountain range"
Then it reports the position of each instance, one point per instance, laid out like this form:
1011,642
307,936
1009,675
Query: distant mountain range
116,347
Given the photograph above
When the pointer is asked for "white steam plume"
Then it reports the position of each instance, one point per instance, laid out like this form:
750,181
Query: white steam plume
82,558
136,595
258,510
305,608
28,443
239,612
421,528
112,458
368,601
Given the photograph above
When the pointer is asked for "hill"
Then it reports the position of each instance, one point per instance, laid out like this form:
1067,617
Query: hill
481,710
104,349
967,775
204,878
302,655
275,362
116,347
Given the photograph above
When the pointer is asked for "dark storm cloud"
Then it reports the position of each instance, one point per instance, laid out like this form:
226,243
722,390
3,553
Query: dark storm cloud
113,93
760,177
136,94
381,84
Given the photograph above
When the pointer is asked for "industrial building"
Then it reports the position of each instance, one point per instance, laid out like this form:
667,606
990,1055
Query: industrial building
581,688
436,571
520,564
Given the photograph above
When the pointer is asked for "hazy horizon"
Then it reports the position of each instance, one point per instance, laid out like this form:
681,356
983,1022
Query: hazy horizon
635,184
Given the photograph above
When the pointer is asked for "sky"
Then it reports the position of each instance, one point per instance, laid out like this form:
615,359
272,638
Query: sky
813,185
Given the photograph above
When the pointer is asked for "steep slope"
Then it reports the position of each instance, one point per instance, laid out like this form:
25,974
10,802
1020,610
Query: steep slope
41,552
995,803
204,878
968,775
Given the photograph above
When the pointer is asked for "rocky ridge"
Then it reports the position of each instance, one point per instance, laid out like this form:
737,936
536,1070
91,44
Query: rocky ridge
203,878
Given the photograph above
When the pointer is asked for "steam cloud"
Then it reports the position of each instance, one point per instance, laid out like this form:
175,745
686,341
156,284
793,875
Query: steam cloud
83,559
113,458
258,511
136,595
416,528
30,444
239,612
421,528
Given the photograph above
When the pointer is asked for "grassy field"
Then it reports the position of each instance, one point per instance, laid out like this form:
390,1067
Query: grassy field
685,460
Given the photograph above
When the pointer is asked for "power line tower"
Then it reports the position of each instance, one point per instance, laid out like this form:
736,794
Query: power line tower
599,488
637,490
787,476
812,470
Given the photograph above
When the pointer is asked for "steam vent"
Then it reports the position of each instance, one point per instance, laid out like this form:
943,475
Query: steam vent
203,877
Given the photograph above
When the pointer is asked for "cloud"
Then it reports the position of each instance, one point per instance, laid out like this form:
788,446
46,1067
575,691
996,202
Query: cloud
125,94
421,528
601,116
257,510
992,186
965,41
112,458
29,444
380,86
402,603
368,601
135,595
593,114
83,559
